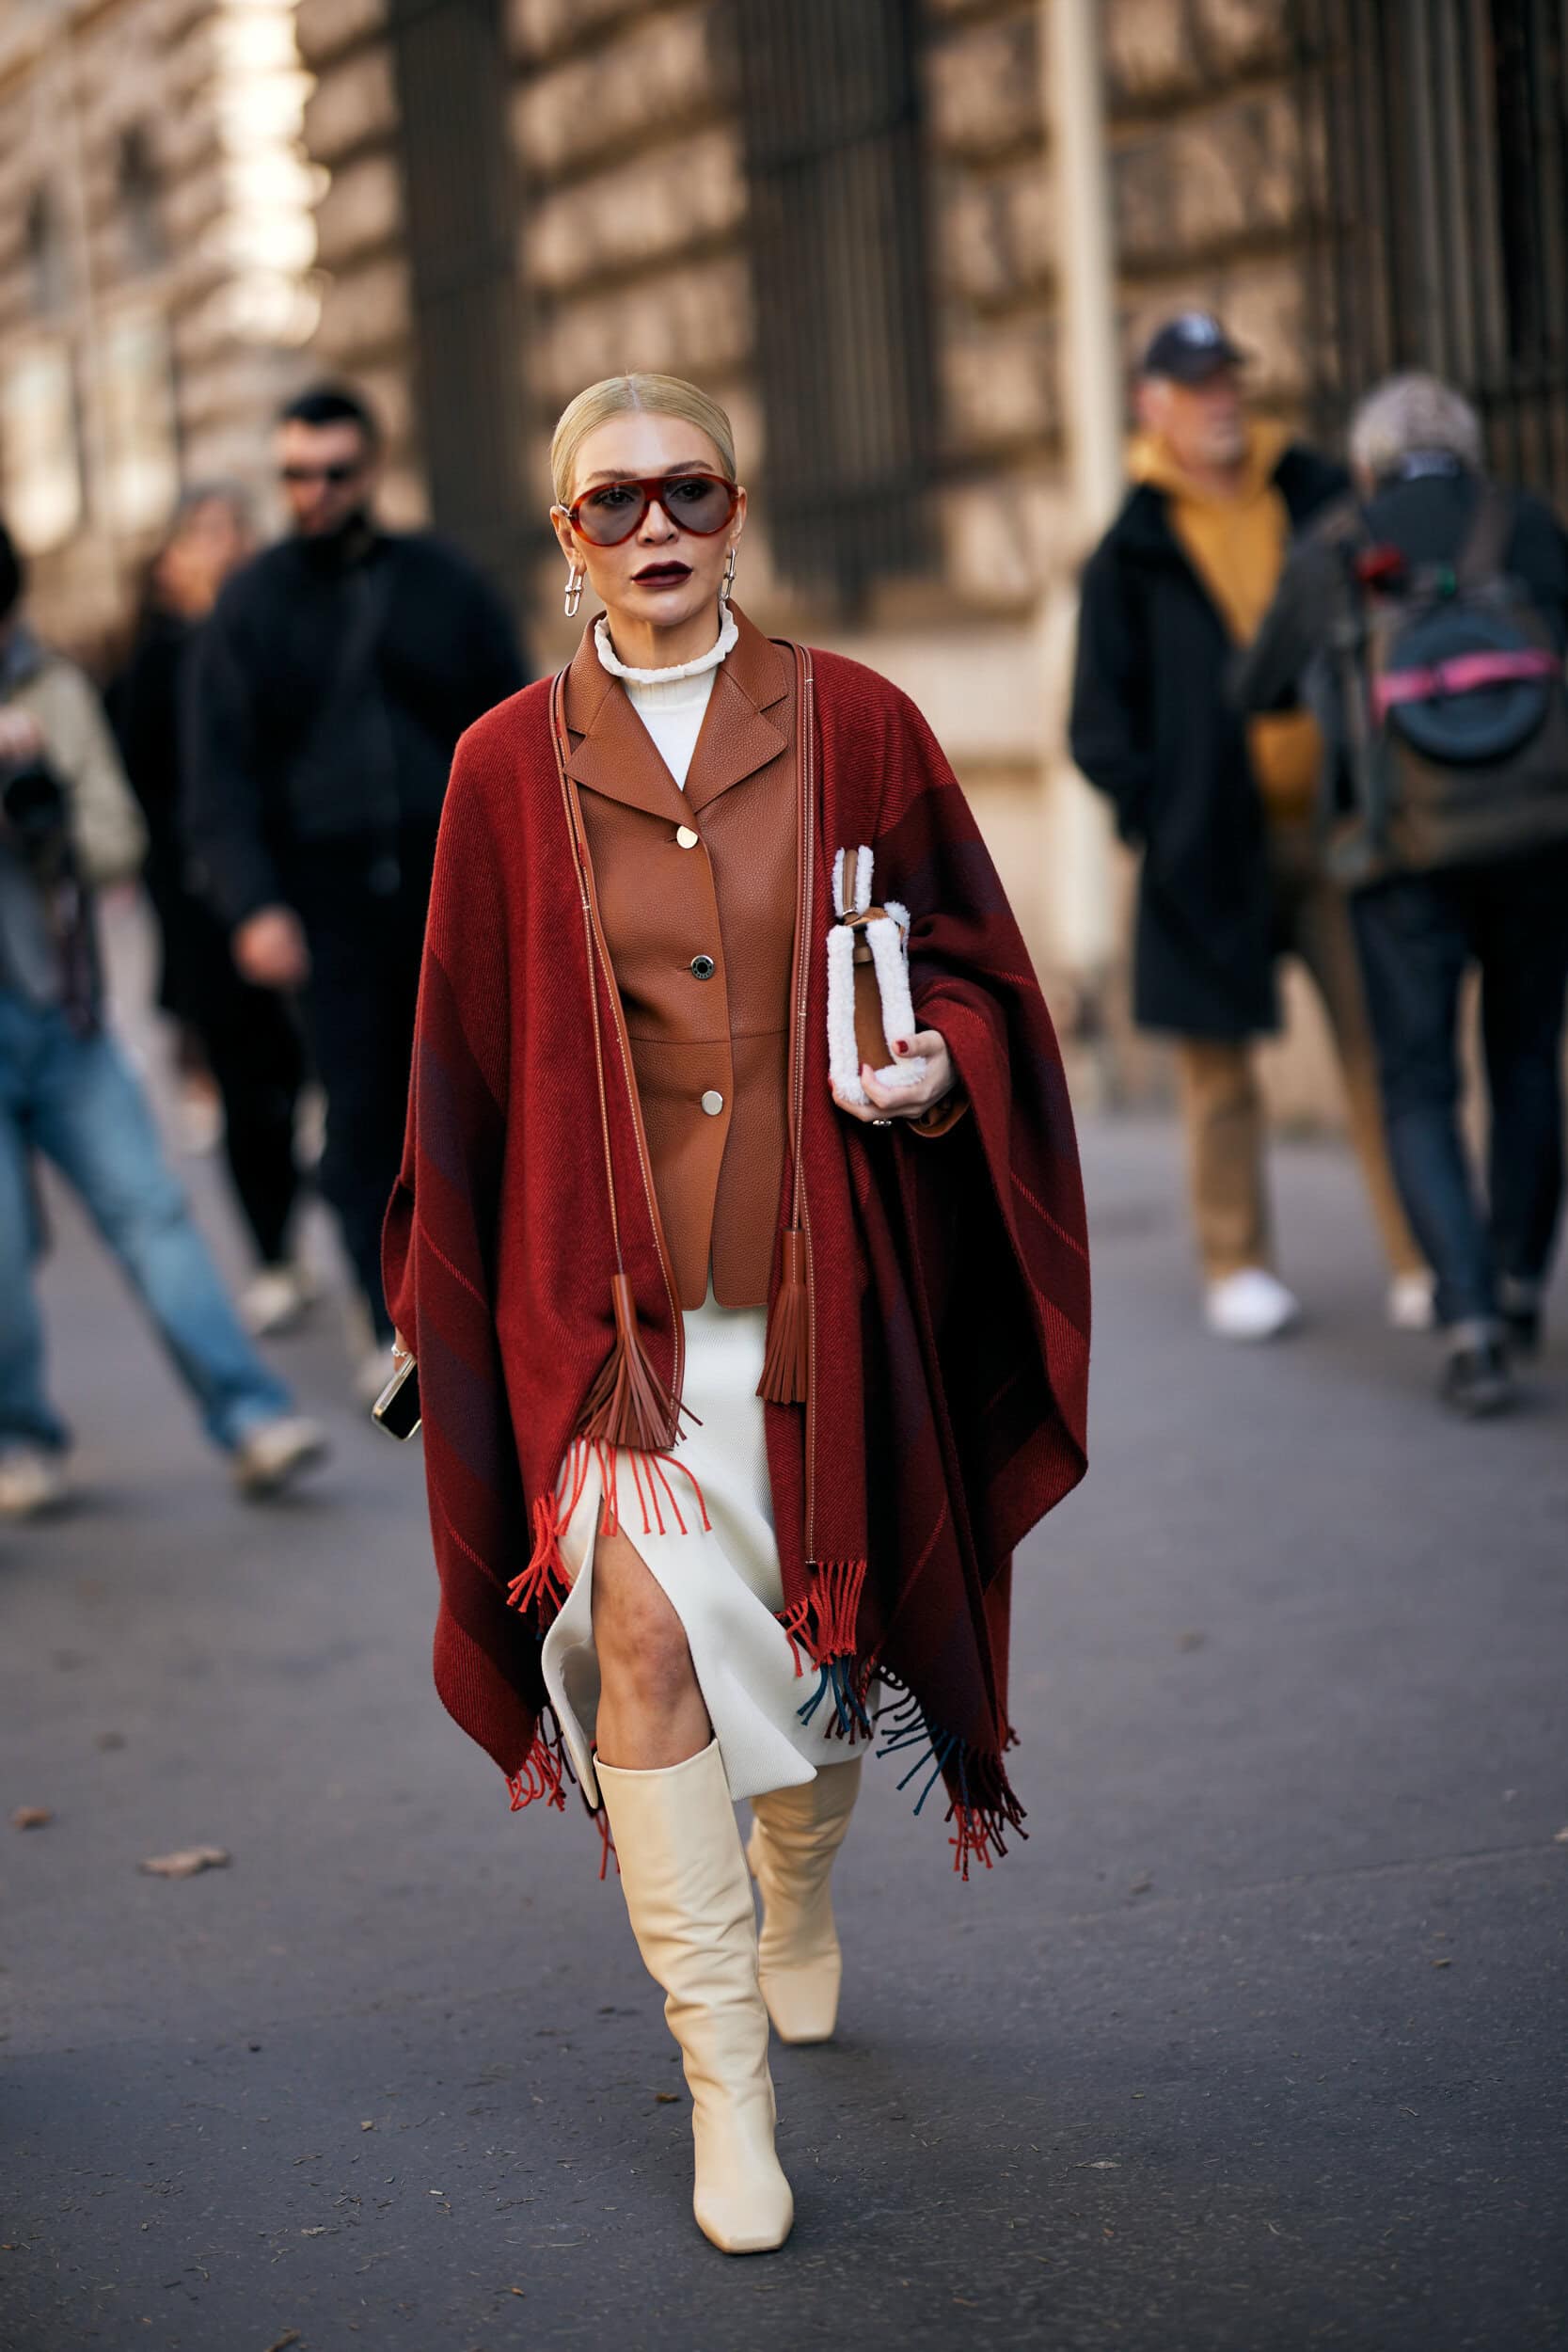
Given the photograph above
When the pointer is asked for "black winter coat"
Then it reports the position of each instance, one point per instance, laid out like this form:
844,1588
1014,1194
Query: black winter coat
327,693
1154,727
144,703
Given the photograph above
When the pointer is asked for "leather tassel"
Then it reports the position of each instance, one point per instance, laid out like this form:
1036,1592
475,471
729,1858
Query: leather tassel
628,1405
787,1363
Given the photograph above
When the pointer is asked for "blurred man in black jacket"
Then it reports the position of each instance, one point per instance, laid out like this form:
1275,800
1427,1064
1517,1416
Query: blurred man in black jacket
1221,810
328,692
1416,449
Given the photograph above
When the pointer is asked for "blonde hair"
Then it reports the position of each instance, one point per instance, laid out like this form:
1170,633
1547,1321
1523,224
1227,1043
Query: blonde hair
1408,413
626,395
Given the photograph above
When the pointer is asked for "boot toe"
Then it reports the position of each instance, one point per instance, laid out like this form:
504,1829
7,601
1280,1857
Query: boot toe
750,2225
743,2203
802,2002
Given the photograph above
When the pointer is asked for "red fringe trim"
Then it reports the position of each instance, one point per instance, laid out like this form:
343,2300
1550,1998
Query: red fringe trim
822,1622
544,1582
654,1492
606,1845
544,1577
978,1839
543,1778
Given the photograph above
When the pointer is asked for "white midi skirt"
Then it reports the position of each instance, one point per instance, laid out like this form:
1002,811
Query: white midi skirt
722,1579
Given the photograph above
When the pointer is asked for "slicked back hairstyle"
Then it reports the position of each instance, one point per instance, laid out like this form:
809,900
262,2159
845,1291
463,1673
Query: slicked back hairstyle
333,404
627,395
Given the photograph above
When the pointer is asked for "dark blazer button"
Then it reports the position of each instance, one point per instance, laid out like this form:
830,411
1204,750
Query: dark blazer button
702,967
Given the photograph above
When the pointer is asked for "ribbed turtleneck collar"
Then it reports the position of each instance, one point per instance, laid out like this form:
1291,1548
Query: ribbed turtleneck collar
667,684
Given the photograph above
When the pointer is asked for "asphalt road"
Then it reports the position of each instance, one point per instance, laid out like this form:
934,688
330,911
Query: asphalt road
1256,2043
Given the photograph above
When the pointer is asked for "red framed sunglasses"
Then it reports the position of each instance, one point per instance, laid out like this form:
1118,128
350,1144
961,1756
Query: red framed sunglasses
700,503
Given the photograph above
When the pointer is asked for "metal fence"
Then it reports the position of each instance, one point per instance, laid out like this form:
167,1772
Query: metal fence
830,115
450,62
1437,140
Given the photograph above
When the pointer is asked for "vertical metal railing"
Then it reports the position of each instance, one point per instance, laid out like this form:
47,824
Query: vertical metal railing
450,61
1436,133
830,107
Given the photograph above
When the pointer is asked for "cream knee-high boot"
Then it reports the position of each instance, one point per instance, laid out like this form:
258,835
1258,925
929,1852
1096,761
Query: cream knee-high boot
683,1873
798,1833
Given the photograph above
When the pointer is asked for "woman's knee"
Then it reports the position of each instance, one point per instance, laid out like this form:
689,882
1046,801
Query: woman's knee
638,1636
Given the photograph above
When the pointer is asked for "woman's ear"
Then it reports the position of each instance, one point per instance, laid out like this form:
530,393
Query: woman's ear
565,539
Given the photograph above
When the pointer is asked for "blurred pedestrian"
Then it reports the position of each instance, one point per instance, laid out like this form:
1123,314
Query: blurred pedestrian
1221,810
329,688
641,1188
68,823
246,1038
1429,624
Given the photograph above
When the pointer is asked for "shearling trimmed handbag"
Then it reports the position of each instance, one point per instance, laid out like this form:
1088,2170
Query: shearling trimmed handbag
868,985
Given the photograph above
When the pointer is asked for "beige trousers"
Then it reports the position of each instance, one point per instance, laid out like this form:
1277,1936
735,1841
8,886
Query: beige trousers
1223,1105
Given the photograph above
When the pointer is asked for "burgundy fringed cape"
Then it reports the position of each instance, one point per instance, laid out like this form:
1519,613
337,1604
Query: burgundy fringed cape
949,1276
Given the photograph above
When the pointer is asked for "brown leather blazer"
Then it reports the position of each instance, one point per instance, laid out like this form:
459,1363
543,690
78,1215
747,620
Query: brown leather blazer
697,897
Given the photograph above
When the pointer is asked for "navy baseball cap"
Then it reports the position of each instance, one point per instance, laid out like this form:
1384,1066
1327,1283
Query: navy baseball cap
1190,348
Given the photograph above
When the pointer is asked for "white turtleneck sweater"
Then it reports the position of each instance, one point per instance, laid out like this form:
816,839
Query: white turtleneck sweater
670,703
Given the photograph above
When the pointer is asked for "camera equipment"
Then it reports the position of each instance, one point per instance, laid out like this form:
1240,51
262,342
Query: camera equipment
34,802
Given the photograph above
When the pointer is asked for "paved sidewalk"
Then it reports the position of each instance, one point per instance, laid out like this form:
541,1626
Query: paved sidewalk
1256,2044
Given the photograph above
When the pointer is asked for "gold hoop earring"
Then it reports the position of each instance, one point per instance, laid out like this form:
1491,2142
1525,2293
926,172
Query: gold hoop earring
728,589
573,593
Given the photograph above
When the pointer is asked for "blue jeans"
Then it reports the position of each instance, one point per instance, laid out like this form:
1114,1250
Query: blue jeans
74,1099
1417,936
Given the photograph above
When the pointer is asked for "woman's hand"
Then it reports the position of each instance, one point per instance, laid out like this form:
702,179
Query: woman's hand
910,1102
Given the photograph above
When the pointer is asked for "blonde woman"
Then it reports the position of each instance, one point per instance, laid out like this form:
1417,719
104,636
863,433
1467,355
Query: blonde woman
739,1382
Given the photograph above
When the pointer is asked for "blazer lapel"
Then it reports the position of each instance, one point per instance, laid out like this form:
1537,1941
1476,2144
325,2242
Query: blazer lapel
612,751
742,729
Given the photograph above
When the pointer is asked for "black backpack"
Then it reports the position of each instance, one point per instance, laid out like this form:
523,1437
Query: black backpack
1453,703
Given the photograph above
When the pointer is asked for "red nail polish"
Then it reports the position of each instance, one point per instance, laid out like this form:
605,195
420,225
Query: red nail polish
900,1047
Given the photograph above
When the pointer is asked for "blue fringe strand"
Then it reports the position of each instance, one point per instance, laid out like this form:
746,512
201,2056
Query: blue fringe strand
836,1677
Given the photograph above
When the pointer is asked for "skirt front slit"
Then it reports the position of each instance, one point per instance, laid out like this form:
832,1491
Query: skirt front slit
722,1577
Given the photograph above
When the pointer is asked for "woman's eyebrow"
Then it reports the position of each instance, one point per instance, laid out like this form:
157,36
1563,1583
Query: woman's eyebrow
626,473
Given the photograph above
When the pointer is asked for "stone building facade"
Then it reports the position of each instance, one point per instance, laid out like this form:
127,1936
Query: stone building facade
157,283
849,218
632,185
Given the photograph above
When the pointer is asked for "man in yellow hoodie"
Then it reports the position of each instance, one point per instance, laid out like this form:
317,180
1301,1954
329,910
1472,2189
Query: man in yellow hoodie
1221,808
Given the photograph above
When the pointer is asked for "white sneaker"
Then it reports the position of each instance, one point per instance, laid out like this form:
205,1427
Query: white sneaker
1251,1304
273,1455
199,1117
277,1299
32,1481
1412,1303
